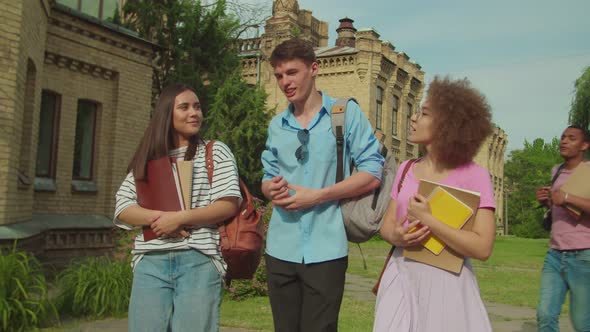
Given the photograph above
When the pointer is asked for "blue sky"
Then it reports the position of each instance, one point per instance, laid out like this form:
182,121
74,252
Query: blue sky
524,55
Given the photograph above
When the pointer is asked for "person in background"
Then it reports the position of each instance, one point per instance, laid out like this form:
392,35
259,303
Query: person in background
567,263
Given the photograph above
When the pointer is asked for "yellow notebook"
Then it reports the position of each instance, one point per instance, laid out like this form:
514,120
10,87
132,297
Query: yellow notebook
448,209
447,259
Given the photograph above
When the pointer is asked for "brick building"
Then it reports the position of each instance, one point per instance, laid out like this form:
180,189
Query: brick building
75,99
387,84
491,156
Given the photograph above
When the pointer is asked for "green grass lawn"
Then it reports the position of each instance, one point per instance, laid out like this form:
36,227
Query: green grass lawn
511,276
255,314
517,252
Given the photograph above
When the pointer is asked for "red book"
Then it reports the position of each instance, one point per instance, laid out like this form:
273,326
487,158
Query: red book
158,191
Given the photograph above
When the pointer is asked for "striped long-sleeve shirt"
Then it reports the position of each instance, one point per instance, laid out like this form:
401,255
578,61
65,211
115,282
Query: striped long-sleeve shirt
205,238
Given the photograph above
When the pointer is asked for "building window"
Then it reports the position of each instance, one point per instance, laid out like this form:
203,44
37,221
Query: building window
408,118
379,111
102,9
48,135
394,112
85,140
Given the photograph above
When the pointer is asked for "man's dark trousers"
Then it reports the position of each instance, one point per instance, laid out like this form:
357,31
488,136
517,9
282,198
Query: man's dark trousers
305,297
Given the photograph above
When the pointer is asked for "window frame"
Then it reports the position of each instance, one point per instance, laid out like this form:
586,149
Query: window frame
379,108
92,160
55,136
100,8
408,117
394,116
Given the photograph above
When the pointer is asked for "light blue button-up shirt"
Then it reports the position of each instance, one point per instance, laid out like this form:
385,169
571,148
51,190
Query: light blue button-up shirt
316,234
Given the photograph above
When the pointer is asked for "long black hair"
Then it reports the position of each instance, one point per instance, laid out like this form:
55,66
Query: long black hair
158,138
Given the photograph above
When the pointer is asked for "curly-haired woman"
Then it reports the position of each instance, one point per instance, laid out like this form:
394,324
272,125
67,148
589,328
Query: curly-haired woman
450,127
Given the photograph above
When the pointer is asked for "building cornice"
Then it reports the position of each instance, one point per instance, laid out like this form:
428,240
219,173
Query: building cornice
80,66
87,32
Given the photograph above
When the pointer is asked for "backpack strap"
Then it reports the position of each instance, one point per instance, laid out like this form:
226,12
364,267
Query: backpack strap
209,161
399,187
338,116
557,173
404,172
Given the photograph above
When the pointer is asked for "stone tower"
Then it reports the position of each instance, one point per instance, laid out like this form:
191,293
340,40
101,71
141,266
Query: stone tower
285,7
346,33
289,21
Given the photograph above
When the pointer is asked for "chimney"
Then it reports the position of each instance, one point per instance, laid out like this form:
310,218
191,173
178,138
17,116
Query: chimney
346,33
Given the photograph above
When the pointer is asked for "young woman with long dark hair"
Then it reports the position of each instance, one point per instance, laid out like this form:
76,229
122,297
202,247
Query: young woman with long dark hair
178,277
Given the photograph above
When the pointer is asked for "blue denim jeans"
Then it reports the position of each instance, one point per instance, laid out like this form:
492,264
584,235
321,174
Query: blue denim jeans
176,290
563,271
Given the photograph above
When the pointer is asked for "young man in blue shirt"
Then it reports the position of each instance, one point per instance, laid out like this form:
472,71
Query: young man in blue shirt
306,246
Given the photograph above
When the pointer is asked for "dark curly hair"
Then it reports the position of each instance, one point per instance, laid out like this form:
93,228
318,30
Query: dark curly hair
462,120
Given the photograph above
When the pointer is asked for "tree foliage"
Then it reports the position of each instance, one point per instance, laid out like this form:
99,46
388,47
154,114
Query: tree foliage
525,171
198,47
235,118
196,42
580,111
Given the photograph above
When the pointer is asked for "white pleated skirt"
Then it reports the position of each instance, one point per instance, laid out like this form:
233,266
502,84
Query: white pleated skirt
416,297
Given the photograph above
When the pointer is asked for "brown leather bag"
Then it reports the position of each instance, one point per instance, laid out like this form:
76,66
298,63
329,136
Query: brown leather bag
399,187
241,235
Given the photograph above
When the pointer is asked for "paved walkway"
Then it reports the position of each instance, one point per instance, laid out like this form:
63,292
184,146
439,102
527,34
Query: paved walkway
505,318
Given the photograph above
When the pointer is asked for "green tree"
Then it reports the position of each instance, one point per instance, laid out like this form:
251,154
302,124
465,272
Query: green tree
196,42
525,171
235,118
580,111
198,47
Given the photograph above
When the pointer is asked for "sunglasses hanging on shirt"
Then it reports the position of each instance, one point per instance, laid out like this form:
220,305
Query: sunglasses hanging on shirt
302,152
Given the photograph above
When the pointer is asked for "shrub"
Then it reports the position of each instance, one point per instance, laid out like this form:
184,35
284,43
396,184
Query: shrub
243,289
96,287
530,228
23,292
124,241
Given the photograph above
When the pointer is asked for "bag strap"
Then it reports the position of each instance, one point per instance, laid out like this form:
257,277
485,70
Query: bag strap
399,187
209,161
338,117
557,173
404,172
246,196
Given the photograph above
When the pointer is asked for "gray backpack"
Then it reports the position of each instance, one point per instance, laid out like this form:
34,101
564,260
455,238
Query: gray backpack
363,215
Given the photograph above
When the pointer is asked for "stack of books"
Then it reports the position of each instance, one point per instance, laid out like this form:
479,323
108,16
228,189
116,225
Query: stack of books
453,206
167,187
577,184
